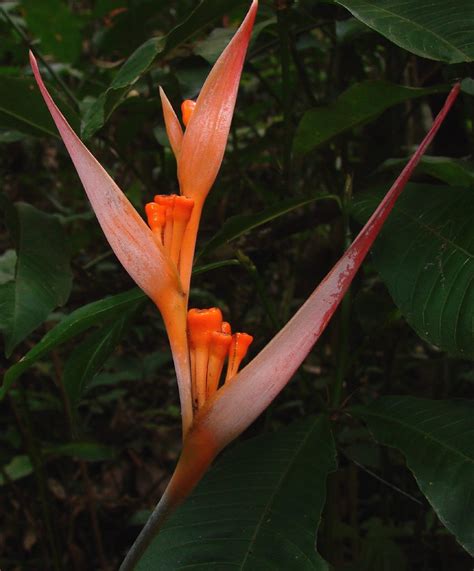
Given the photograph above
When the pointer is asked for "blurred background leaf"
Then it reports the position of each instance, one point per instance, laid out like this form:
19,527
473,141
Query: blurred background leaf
360,104
56,27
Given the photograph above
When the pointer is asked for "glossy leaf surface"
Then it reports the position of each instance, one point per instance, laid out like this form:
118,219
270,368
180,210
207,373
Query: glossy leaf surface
425,257
258,508
437,439
434,29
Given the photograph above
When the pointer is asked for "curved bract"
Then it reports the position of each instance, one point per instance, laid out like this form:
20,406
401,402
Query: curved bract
128,235
206,134
160,260
242,399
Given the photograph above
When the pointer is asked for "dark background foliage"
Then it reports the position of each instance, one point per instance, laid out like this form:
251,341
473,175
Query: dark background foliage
333,98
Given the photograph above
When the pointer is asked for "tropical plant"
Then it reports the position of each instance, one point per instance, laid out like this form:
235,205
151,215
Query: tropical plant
278,480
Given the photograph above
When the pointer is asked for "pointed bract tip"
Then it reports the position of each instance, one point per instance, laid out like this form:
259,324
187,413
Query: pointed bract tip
130,238
206,133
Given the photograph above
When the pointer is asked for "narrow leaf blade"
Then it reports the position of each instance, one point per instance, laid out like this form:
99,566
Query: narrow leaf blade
72,325
240,224
361,103
140,61
87,359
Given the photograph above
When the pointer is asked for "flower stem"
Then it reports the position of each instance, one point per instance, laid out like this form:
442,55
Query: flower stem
174,312
199,451
189,245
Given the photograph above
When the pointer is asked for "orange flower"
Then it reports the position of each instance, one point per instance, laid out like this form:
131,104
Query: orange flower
159,258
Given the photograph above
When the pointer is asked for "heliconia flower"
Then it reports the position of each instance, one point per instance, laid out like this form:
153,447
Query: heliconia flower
233,407
159,256
200,149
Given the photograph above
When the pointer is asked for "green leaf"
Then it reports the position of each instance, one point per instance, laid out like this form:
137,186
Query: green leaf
43,276
7,266
78,321
87,359
436,438
22,108
434,29
57,28
238,225
19,467
259,507
136,65
467,85
140,61
455,172
90,451
361,103
215,266
212,47
425,257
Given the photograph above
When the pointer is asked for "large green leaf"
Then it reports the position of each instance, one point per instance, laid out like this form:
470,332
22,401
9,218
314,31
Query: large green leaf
43,276
22,108
74,324
57,28
436,29
425,256
361,103
238,225
258,508
140,61
437,439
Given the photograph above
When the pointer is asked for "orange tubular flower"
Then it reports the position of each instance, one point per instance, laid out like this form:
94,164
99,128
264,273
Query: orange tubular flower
159,258
199,151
